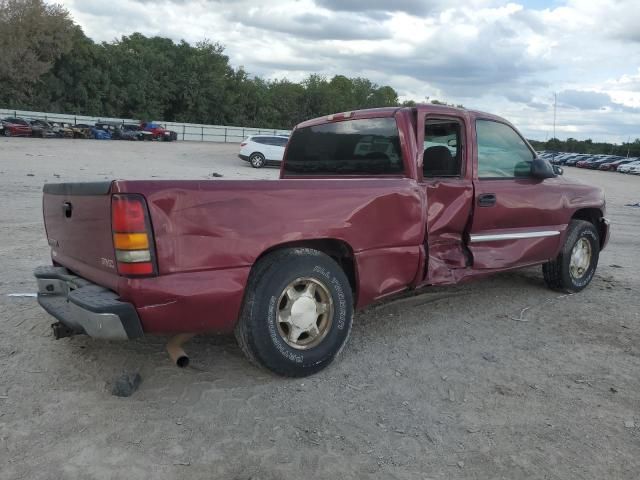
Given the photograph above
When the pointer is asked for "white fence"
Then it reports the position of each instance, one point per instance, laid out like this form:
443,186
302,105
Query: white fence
186,131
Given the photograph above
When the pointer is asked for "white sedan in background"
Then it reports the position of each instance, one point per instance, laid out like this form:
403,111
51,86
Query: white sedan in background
629,167
261,150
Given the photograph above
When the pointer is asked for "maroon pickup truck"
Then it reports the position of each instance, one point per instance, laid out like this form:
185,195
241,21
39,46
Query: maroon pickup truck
369,204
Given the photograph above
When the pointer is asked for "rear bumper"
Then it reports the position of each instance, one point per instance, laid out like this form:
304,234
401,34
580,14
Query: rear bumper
85,307
243,157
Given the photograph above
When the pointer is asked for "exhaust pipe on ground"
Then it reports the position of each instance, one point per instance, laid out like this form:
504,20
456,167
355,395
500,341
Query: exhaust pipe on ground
174,348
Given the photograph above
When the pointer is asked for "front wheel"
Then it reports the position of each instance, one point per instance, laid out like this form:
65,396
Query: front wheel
573,269
297,312
7,132
257,160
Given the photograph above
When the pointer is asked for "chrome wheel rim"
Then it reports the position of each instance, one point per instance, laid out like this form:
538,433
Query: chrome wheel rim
305,313
256,161
580,258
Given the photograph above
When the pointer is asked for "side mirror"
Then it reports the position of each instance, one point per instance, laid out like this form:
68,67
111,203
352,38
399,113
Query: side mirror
542,169
558,170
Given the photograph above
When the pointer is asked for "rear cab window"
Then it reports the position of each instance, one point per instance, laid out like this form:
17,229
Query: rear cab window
369,146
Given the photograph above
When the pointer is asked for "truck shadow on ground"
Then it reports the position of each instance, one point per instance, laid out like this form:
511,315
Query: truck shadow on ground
218,358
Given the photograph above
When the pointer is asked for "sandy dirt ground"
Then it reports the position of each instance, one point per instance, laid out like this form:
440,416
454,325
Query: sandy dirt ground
446,384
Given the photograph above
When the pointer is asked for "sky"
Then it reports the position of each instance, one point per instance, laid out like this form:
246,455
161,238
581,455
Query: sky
507,58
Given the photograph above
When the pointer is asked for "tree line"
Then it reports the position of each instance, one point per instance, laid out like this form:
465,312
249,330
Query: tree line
47,63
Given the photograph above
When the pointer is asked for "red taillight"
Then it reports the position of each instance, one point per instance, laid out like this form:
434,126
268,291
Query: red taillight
132,235
243,144
128,214
135,268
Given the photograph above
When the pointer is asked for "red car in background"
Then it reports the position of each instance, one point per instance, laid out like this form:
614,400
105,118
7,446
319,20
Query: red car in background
15,127
613,166
159,132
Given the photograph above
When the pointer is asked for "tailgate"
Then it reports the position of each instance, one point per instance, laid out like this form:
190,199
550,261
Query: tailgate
77,218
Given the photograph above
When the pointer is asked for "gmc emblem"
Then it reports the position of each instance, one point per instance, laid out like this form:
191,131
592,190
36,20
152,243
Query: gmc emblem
107,262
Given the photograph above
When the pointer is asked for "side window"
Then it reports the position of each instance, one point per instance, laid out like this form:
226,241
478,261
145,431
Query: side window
281,142
501,151
442,149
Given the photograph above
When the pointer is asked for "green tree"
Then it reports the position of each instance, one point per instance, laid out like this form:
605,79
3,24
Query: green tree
33,35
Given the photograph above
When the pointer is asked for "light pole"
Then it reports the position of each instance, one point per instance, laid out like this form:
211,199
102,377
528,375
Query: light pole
555,102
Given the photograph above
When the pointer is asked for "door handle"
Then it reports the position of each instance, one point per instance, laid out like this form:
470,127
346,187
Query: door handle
487,200
67,209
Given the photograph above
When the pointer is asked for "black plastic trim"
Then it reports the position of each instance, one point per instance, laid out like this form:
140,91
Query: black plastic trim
78,188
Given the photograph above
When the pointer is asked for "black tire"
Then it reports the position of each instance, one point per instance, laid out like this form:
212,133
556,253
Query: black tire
258,331
557,273
7,132
257,160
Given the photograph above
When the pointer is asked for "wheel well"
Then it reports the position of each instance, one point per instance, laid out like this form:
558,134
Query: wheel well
340,251
594,216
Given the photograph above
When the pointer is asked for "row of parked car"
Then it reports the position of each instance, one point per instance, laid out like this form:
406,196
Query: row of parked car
612,163
21,127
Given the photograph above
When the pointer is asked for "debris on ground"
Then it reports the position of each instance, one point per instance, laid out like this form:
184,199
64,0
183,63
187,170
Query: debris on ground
490,357
22,295
452,396
632,204
126,384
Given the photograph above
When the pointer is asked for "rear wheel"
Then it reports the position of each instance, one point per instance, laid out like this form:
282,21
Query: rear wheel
257,160
297,312
7,132
573,269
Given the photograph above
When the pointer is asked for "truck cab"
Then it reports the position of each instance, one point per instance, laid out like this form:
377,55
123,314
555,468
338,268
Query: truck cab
489,203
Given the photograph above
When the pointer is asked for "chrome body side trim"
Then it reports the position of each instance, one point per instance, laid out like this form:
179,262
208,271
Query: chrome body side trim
496,237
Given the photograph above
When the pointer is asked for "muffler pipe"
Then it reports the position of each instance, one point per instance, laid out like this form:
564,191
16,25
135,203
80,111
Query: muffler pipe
174,348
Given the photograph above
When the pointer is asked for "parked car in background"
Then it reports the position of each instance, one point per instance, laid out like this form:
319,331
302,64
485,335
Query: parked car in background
132,131
261,150
99,133
560,159
606,159
583,163
42,129
159,132
628,166
16,127
613,165
596,165
63,129
120,131
634,169
81,130
572,161
109,127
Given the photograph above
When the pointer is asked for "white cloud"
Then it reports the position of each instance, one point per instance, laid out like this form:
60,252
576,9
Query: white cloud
503,57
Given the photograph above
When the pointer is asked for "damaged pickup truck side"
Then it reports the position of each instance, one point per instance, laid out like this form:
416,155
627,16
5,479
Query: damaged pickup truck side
369,204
